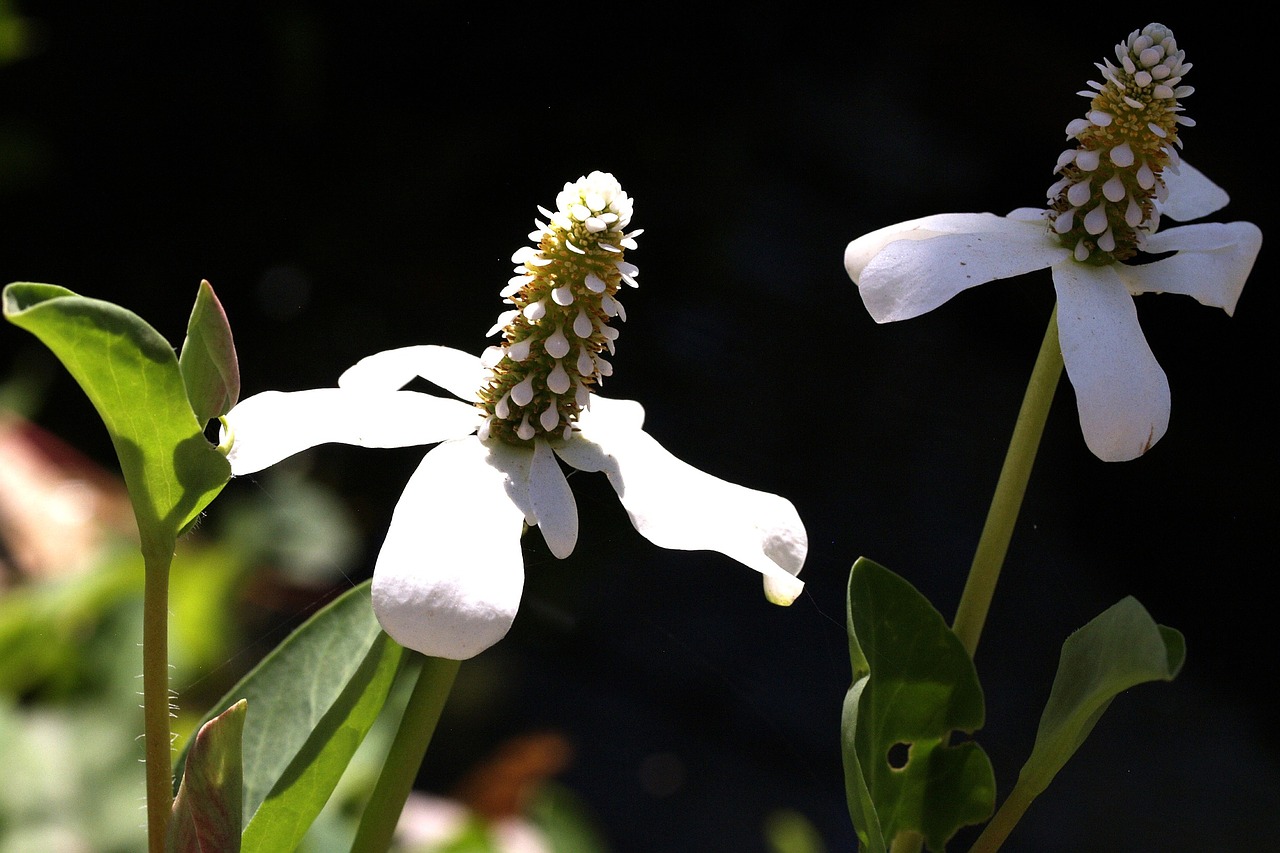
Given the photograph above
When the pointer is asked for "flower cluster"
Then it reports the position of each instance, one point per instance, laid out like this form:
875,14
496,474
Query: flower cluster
1114,187
450,574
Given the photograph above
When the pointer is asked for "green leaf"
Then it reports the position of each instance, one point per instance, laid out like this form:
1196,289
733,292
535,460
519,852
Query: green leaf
208,361
131,375
206,811
913,687
312,701
1120,648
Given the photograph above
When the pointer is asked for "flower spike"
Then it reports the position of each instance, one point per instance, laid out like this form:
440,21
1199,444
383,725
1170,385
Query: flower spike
564,293
1106,201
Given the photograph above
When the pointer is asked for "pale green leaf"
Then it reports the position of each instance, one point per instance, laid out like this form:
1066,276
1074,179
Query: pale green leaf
131,375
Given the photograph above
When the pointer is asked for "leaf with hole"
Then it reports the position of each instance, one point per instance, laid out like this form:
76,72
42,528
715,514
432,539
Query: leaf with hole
914,689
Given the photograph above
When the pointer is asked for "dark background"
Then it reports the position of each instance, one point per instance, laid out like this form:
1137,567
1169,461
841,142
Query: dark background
354,178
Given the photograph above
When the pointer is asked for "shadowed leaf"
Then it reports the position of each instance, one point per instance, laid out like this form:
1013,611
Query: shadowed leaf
312,700
1120,648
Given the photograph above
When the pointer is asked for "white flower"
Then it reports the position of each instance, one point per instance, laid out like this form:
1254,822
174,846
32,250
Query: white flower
449,577
1104,209
1122,394
450,573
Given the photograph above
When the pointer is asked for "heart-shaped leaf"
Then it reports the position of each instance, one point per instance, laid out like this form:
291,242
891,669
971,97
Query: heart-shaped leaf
914,688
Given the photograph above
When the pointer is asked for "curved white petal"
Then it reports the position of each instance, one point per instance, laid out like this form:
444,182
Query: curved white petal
674,505
911,268
1191,194
456,371
1121,392
552,500
860,252
449,577
274,425
617,413
1212,263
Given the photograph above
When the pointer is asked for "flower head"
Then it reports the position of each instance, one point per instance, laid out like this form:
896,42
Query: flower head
1104,210
450,574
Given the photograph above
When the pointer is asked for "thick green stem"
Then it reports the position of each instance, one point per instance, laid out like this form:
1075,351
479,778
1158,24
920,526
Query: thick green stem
157,734
1012,485
434,679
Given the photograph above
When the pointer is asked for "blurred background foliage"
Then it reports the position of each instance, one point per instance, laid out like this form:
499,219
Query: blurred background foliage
355,177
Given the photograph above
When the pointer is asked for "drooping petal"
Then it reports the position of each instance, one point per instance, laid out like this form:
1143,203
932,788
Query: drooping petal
274,425
449,577
911,268
1122,394
1191,194
1212,263
456,371
674,505
552,500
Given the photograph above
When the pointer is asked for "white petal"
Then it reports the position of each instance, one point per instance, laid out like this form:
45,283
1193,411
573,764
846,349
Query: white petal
1191,194
1212,263
450,574
274,425
616,413
909,269
552,500
1122,394
674,505
456,371
514,462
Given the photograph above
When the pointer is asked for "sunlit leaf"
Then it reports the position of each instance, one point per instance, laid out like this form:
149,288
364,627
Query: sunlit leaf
311,702
206,811
914,690
208,361
131,375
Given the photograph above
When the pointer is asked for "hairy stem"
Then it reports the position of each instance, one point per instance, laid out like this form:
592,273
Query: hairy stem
157,734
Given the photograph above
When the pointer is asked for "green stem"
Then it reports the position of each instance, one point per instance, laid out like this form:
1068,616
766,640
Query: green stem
157,736
1012,485
1004,820
434,679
